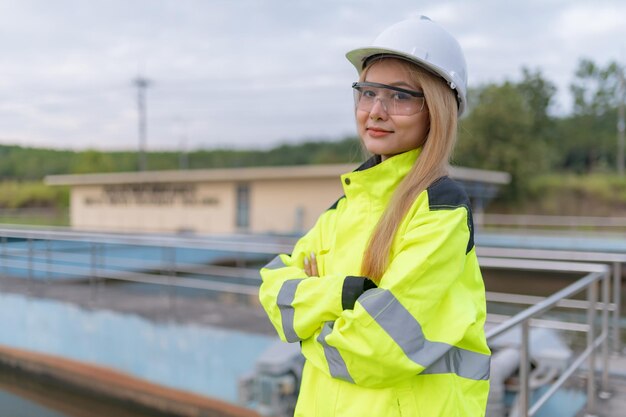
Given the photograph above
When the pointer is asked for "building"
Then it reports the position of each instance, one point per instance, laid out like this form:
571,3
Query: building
282,200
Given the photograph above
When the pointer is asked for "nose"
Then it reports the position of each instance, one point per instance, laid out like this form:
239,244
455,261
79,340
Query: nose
379,110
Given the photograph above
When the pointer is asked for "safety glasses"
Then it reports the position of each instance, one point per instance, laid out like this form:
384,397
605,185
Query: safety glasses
395,100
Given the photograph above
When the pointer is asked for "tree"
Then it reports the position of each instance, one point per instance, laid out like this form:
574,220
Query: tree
594,88
502,131
590,130
92,161
538,93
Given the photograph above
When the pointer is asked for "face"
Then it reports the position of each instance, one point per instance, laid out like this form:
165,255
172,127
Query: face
384,134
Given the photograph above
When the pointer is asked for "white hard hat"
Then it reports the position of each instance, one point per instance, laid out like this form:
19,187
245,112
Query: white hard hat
424,42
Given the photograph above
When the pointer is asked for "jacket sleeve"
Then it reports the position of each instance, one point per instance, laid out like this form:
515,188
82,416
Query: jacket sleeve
298,305
415,321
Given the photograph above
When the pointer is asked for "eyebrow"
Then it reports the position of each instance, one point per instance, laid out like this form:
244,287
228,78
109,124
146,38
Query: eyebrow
401,84
404,84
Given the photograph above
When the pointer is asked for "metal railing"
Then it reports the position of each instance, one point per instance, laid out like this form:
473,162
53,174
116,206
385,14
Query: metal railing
616,260
556,222
37,255
91,261
594,273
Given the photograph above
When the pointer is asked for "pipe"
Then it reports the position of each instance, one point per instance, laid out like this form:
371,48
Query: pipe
504,363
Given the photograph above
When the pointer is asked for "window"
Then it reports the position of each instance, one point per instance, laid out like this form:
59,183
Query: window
243,206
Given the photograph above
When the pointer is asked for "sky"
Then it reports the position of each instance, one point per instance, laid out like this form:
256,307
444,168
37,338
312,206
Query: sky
253,73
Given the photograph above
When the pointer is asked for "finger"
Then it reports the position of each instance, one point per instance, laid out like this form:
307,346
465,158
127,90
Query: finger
314,271
307,266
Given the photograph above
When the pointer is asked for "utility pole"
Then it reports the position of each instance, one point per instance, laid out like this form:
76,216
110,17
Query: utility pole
183,158
621,124
142,84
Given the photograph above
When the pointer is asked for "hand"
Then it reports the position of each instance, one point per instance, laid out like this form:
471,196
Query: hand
310,266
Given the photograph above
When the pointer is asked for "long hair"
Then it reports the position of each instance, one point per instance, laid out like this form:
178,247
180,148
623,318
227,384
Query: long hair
432,163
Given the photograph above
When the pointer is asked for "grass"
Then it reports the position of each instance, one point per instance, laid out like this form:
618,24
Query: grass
55,219
570,195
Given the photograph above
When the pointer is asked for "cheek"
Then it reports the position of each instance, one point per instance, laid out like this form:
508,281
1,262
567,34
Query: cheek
420,128
361,119
420,135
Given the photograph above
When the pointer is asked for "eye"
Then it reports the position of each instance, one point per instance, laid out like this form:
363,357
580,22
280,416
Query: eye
368,93
401,96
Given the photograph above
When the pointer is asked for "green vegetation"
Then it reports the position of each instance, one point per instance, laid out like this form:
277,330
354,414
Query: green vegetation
32,164
570,194
36,218
33,203
17,195
559,164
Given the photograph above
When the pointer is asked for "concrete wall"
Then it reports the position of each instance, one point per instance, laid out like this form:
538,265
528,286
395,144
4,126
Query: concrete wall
291,205
199,207
276,206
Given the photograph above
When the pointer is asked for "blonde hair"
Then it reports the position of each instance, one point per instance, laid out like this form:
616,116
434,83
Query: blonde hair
429,166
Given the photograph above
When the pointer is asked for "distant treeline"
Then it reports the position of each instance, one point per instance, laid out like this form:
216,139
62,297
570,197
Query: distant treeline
509,126
24,164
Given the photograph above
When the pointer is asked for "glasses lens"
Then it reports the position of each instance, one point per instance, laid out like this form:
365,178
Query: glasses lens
394,101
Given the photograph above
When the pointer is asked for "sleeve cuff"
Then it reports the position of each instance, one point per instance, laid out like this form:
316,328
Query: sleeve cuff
353,287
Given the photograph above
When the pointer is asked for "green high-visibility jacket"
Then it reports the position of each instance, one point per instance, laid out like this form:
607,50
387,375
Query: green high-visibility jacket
414,345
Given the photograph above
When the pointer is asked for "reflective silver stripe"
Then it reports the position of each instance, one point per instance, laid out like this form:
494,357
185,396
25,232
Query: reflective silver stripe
406,332
462,362
284,300
336,364
275,263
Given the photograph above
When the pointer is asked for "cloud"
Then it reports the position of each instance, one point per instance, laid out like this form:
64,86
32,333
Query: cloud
249,73
591,20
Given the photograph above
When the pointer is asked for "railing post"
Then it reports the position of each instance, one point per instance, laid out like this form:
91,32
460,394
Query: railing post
168,262
30,265
617,300
48,261
604,391
94,271
524,371
592,297
4,254
101,263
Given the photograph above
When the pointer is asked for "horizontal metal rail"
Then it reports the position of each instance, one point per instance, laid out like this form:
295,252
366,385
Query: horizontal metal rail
116,262
542,323
501,297
245,244
167,280
617,260
539,265
551,254
552,221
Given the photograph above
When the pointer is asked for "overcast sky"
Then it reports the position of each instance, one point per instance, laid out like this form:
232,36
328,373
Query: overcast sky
252,73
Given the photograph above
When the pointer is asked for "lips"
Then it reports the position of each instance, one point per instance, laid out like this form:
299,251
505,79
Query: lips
378,132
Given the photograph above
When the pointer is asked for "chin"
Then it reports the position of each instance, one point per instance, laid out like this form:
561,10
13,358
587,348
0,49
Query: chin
374,146
380,150
376,151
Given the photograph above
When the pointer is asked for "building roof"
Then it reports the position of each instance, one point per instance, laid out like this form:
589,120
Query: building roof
250,174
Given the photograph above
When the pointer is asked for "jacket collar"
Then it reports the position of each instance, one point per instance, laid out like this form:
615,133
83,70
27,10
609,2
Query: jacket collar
380,178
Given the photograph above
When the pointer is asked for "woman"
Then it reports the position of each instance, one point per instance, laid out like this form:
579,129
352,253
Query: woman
385,293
